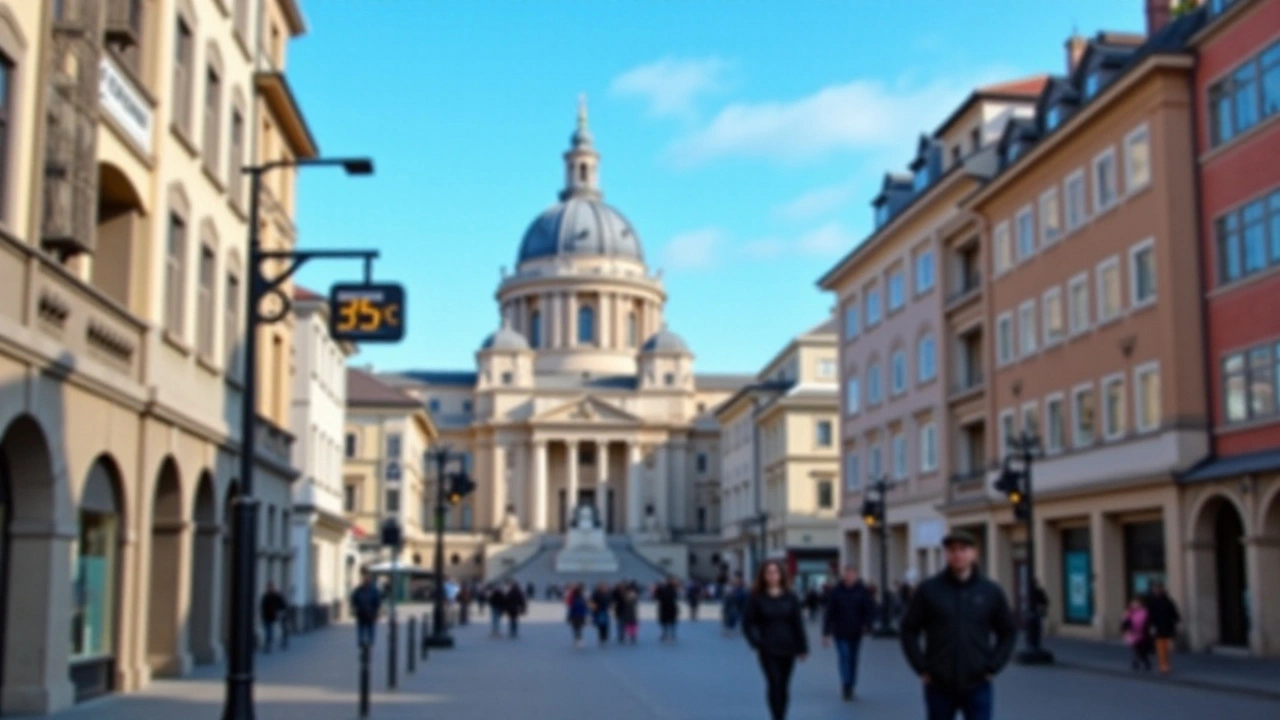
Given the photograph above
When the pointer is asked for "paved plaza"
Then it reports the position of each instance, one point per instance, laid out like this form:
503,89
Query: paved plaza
703,677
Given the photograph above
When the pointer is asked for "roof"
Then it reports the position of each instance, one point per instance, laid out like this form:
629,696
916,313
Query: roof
451,378
1027,88
665,341
505,338
570,381
826,327
769,388
365,389
301,293
722,381
1224,467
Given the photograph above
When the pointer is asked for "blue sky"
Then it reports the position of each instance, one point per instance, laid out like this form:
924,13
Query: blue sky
744,140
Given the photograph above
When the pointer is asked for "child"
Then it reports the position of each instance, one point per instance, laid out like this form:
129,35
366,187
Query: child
1137,634
629,614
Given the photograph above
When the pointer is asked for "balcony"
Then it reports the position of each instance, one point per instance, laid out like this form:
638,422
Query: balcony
53,314
274,445
967,384
968,288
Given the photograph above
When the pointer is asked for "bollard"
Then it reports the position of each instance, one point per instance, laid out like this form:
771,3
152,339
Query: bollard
364,680
391,654
408,644
425,647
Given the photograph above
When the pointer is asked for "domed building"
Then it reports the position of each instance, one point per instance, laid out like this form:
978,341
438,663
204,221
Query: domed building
583,403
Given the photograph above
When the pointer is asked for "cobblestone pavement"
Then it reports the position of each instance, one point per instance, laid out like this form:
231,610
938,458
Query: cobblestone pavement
703,677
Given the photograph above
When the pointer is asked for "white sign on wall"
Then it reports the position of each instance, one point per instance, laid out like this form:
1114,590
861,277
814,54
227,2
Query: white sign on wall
119,99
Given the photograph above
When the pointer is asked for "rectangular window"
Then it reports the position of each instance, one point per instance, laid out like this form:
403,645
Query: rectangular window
1113,407
823,434
235,157
925,272
349,445
898,372
393,500
175,275
1104,180
182,55
826,498
1078,295
1003,248
1050,217
1075,200
1137,159
851,320
1008,429
875,384
1270,63
349,498
873,306
1252,381
1026,234
897,290
929,448
875,463
701,462
826,368
1030,418
1083,411
1055,321
1248,238
1244,85
212,117
1004,339
1054,424
926,359
899,456
852,473
1146,396
6,121
1142,273
231,325
393,445
1109,301
851,396
206,308
1027,328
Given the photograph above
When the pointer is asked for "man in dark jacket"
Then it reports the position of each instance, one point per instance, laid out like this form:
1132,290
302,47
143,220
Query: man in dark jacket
366,600
515,604
849,613
667,594
968,630
497,608
272,606
1163,617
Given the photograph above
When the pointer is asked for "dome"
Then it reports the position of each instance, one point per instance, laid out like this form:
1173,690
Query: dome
665,341
580,225
505,339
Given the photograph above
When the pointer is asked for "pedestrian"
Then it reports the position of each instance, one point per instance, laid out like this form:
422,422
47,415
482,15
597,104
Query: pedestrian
849,614
497,609
366,600
1137,634
812,603
530,591
576,610
733,605
514,604
904,595
616,597
464,604
628,610
271,608
774,627
1163,615
694,598
968,631
668,596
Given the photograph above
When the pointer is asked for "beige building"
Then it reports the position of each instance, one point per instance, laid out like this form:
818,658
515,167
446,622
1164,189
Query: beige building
581,397
891,291
1088,235
780,462
122,238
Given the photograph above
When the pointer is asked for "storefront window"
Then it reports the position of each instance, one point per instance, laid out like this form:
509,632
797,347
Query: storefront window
1143,557
1077,577
93,604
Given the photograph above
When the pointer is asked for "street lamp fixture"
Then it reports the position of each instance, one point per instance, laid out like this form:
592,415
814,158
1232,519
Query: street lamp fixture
451,488
238,704
874,514
1015,484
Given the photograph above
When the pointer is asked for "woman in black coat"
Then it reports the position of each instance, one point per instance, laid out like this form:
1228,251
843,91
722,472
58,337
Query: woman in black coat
668,596
774,626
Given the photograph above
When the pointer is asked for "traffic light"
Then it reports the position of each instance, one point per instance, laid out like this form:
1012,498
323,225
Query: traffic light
460,486
872,512
1010,483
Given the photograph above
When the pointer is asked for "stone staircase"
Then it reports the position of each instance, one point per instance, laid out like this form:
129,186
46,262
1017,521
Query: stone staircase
541,568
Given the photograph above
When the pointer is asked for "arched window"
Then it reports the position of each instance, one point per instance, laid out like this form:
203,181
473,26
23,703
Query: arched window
586,324
633,330
582,172
535,329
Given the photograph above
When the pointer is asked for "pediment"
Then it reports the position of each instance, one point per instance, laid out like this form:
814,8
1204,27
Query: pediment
587,409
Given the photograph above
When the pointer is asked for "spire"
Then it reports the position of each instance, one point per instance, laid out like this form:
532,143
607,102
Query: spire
581,161
582,113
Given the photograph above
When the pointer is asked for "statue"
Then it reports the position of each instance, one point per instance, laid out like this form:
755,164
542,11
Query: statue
584,517
509,530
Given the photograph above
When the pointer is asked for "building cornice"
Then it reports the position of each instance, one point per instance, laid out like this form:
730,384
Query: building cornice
274,87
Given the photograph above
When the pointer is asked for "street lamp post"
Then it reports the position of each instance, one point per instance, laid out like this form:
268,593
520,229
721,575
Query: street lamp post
1016,485
874,514
238,704
459,485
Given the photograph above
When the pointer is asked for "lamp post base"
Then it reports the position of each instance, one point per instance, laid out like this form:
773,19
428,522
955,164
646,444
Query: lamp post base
440,641
1035,656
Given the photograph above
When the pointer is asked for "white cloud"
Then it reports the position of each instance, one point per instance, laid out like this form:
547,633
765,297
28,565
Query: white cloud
861,115
818,201
694,250
764,248
829,240
671,86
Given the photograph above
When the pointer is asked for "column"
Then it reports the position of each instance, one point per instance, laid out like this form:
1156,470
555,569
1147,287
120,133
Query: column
520,485
551,320
571,485
661,489
539,486
604,321
635,504
571,302
602,483
680,486
500,476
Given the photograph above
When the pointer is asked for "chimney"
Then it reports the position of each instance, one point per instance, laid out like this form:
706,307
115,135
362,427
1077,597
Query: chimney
1159,13
1076,45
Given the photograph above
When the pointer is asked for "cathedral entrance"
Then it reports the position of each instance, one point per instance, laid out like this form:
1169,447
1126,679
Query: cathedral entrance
588,497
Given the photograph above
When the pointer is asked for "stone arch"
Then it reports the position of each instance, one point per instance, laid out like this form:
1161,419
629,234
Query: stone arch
204,565
98,578
165,645
1219,527
122,228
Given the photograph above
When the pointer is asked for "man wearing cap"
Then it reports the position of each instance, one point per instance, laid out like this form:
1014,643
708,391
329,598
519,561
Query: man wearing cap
968,631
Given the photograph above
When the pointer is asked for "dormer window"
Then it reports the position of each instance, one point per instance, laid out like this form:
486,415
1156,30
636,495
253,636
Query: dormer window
1091,83
1053,118
922,178
882,214
1011,152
